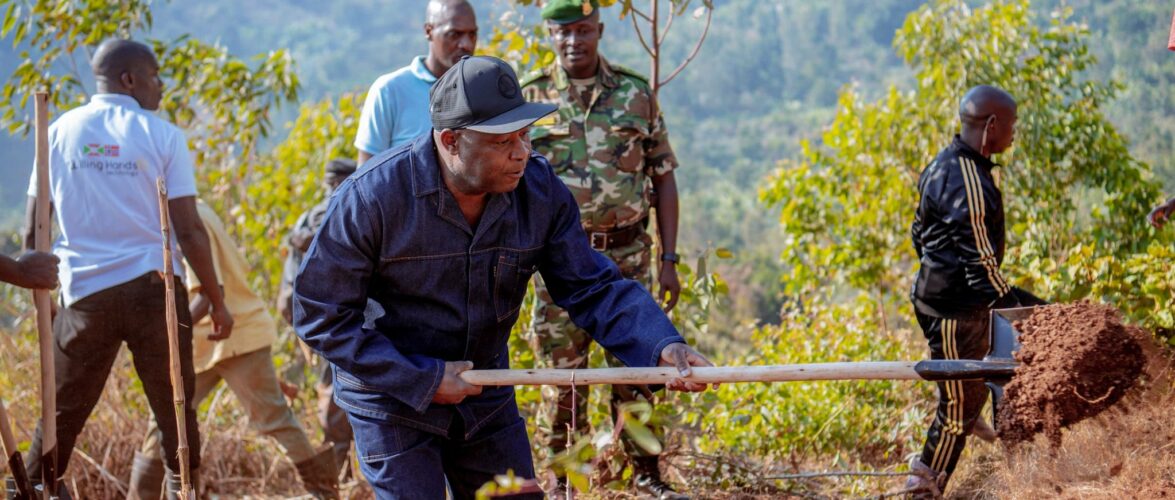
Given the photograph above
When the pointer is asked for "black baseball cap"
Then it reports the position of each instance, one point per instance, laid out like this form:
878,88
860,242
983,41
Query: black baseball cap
481,93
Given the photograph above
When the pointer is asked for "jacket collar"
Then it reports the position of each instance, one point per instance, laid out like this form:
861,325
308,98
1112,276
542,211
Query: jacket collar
426,180
964,149
426,172
420,70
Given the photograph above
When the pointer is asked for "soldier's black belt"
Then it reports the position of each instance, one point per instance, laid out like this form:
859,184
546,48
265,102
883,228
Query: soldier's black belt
616,238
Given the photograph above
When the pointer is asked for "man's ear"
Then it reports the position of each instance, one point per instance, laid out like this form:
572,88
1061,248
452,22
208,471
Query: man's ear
428,31
601,34
127,79
449,138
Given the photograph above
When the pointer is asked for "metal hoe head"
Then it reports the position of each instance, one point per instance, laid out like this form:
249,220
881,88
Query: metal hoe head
1005,340
996,369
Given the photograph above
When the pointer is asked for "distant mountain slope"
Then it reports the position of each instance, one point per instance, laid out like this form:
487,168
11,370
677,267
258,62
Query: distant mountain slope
768,73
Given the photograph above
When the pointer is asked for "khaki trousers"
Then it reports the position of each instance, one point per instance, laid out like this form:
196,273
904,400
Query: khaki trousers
253,379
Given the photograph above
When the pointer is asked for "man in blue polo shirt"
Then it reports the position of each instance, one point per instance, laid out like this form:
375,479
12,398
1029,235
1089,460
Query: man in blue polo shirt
445,235
396,108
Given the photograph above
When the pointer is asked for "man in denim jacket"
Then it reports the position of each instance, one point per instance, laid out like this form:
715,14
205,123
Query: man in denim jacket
445,233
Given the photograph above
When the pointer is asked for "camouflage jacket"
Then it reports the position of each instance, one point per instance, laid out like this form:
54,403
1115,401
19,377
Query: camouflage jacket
607,152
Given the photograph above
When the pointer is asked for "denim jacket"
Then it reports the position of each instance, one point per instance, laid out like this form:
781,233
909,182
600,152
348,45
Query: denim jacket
394,233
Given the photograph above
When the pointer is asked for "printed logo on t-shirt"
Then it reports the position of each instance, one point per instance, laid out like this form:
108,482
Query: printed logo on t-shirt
104,159
107,150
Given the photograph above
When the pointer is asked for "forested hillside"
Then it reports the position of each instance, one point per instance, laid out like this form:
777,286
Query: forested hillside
801,127
767,76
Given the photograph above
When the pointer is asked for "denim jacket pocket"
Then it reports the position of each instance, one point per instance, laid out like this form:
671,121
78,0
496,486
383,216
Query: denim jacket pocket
356,397
512,274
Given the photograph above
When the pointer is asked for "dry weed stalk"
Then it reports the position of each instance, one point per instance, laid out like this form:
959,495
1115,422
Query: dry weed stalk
173,348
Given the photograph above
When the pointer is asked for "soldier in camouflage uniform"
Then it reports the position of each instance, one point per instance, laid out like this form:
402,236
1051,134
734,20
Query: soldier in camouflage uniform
608,143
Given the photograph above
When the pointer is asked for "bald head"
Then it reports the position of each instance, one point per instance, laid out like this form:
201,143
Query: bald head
983,101
128,67
451,29
988,115
439,11
115,57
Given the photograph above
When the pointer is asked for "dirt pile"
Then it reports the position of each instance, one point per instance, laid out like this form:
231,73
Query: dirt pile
1077,360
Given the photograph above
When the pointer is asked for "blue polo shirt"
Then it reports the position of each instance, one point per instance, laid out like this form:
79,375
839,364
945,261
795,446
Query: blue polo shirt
396,108
395,234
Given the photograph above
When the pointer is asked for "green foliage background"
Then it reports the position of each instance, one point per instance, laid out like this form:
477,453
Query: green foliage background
802,126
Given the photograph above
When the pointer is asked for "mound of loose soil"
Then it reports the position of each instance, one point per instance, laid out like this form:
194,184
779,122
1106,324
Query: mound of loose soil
1077,360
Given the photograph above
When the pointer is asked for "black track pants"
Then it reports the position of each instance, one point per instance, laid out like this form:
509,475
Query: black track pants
959,402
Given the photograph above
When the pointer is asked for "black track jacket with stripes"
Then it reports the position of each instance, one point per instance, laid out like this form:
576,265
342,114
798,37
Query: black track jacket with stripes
958,232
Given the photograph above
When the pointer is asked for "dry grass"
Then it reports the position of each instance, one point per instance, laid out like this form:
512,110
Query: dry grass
237,463
1126,453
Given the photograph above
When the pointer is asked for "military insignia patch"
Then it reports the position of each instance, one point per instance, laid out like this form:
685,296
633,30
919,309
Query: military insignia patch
547,121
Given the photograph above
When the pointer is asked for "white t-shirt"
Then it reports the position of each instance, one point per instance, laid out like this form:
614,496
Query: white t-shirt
104,158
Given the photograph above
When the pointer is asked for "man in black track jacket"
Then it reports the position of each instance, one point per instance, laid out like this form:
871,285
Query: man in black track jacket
958,232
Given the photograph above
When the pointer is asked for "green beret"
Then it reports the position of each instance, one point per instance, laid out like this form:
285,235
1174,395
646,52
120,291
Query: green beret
569,11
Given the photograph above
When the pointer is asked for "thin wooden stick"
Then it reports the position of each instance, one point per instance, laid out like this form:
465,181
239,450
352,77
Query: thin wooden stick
173,347
42,301
24,487
869,370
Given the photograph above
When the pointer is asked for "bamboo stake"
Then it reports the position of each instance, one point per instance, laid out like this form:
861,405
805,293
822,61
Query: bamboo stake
42,301
869,370
24,488
173,347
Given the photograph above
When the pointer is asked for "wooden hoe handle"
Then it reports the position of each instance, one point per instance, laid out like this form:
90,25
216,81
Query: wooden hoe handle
871,370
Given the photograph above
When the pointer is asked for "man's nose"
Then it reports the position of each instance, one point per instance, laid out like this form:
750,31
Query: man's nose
521,147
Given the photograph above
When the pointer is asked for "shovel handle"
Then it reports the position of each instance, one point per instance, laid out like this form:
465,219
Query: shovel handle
871,370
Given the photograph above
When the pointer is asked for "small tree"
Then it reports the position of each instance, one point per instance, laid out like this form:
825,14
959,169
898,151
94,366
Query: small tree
223,103
514,42
288,181
1075,197
846,204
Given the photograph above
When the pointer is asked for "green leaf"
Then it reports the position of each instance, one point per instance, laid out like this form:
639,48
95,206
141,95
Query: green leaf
11,16
642,436
579,481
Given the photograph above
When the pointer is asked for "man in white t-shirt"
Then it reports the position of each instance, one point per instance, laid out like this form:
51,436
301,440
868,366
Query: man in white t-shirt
104,159
396,108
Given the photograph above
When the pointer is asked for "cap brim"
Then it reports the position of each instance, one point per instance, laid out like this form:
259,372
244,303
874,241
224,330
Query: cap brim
568,20
515,119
